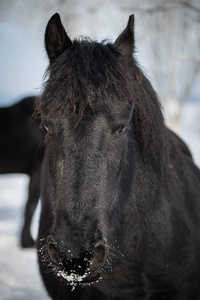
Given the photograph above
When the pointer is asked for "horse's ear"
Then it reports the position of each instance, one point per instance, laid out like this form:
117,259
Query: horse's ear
56,38
125,41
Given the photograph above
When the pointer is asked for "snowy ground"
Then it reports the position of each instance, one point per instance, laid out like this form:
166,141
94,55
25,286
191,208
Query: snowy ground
19,276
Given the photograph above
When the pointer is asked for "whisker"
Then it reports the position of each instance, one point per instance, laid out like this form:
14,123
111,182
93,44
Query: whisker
115,249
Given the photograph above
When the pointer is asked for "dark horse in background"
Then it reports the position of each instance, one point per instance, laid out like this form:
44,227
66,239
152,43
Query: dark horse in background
21,151
120,193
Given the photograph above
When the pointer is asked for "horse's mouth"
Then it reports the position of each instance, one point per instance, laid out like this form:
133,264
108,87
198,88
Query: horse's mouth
77,279
91,279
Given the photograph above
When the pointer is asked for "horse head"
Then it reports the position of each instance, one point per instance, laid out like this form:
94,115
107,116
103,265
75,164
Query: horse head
86,108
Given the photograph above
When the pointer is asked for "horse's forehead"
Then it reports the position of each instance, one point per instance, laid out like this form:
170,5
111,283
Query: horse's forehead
98,120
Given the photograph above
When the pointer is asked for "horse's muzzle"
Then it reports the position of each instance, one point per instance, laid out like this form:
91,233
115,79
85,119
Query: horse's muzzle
86,267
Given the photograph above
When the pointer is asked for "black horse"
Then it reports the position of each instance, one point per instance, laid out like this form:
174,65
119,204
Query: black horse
21,151
120,193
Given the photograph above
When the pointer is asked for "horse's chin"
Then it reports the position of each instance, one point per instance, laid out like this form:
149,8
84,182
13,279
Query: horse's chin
74,279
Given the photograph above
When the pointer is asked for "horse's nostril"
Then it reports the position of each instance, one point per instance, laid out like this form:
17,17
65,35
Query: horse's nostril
100,255
52,251
99,252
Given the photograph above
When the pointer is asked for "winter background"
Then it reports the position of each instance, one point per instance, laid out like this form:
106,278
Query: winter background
168,44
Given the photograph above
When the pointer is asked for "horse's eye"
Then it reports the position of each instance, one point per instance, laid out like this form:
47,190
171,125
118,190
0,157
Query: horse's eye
121,129
47,128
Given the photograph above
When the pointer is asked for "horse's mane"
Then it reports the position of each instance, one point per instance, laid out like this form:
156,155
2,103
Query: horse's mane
90,74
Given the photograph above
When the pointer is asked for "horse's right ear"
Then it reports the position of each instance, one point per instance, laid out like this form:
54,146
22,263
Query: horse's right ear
125,41
56,38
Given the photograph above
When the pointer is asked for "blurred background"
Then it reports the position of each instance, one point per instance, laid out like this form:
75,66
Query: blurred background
167,37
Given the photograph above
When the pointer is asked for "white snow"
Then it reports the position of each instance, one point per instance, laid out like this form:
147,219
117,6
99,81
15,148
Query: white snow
19,274
72,277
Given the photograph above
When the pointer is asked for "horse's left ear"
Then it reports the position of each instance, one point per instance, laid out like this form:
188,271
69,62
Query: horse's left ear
125,41
56,38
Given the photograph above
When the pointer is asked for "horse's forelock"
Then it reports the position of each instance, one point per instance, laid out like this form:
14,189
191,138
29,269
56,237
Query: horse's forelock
88,75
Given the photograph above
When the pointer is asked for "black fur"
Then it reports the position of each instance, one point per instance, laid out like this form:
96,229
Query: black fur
120,192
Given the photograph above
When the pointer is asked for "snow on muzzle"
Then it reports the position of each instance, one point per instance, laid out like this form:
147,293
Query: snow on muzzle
84,268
